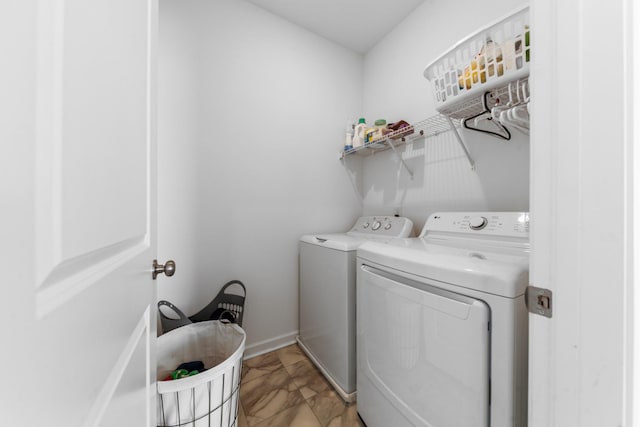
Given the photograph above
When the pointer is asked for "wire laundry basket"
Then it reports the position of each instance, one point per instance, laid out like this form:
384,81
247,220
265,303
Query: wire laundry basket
210,398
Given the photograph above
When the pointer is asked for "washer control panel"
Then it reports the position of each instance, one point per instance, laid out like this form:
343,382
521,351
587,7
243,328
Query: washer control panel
382,226
504,224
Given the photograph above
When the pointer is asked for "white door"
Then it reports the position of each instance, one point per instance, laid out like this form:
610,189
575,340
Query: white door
582,214
77,130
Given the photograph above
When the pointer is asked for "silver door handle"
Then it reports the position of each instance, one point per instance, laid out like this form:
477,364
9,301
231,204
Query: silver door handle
169,268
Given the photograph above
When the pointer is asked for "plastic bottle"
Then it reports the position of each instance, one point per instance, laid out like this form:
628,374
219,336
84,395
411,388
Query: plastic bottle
348,141
377,132
358,133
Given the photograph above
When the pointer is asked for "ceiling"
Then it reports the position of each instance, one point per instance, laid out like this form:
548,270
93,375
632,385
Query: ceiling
356,24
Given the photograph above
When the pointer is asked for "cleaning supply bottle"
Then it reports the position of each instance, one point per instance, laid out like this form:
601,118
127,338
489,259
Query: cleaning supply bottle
381,125
381,129
348,141
368,135
377,132
358,133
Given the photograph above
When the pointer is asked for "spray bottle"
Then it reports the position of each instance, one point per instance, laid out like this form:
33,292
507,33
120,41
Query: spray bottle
348,141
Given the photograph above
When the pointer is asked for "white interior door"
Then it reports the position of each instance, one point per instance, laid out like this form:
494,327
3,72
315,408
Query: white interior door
78,137
582,214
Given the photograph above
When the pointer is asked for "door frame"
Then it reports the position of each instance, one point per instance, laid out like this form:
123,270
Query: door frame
583,190
634,345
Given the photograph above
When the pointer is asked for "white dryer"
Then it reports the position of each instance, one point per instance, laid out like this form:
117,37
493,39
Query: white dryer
442,325
328,296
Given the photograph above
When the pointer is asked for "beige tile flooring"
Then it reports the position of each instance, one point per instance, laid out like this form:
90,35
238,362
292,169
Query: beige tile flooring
283,388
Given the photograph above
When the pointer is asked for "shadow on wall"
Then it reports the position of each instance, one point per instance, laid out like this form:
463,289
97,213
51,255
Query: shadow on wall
443,179
353,170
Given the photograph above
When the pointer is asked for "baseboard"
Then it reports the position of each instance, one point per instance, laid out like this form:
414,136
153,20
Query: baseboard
269,345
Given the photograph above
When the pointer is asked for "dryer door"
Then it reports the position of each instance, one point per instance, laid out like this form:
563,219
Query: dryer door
423,353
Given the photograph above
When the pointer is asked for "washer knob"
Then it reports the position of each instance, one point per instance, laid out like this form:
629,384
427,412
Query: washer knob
388,226
376,225
478,223
365,225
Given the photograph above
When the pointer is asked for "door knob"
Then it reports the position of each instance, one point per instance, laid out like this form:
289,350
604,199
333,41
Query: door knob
169,268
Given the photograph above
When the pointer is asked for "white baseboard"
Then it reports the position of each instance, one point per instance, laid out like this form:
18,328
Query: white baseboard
271,344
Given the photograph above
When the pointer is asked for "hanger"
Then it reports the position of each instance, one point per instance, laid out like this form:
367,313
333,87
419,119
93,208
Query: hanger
502,132
516,114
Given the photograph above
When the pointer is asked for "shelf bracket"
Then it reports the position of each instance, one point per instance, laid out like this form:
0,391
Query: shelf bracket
409,171
461,142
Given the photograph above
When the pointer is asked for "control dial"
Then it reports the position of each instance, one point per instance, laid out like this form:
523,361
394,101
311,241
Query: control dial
365,225
478,223
376,225
388,226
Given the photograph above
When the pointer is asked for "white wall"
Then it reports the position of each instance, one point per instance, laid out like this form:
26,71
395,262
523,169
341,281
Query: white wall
252,112
394,88
248,155
178,150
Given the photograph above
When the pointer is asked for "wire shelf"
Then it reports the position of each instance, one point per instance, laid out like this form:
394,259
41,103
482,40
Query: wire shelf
426,128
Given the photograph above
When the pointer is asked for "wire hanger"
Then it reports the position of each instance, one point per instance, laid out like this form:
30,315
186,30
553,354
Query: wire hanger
502,131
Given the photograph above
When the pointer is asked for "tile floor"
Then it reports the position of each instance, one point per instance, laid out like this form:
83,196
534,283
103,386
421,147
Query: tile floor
283,388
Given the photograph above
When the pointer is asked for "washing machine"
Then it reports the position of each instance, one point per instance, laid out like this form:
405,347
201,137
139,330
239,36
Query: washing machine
328,296
442,324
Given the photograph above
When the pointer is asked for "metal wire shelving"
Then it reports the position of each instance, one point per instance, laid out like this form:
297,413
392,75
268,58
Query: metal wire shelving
423,129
